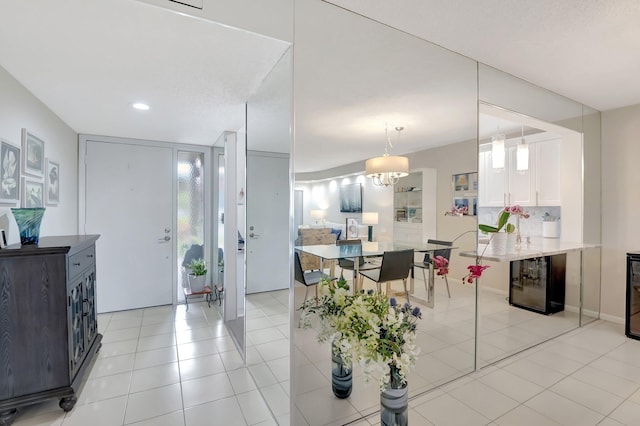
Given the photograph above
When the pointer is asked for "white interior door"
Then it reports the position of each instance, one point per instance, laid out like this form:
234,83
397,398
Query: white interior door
267,239
129,193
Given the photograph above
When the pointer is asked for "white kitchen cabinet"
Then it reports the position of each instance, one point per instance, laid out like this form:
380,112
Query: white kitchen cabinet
537,186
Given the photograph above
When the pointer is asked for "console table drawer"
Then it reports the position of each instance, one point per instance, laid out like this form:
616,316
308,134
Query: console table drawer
81,261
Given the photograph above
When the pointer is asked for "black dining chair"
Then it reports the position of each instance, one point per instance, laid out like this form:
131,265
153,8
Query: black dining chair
308,278
396,265
428,260
349,265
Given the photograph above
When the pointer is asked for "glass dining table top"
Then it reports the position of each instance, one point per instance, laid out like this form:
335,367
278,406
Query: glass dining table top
367,248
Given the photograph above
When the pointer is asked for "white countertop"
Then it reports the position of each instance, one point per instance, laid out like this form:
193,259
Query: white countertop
536,248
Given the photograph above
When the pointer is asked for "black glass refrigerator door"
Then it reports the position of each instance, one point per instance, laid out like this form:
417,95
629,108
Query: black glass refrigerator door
632,317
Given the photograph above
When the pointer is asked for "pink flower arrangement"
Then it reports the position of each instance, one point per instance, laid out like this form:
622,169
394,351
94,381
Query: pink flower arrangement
441,264
457,211
475,272
517,211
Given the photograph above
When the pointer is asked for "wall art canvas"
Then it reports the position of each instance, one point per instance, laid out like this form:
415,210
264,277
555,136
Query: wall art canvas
52,180
9,172
32,154
32,193
351,198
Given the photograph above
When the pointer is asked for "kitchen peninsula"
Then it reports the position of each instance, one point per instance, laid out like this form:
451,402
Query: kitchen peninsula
536,274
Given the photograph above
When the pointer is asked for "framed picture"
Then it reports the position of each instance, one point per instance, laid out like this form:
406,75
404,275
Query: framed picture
32,193
52,183
9,172
351,198
352,228
465,193
32,154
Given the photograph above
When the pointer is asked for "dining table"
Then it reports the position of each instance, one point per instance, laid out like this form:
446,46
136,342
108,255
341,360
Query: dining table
375,249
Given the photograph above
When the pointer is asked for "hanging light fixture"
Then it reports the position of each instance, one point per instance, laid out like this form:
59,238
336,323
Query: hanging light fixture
497,151
388,169
522,154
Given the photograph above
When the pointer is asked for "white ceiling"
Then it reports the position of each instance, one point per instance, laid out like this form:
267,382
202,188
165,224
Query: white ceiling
587,50
88,60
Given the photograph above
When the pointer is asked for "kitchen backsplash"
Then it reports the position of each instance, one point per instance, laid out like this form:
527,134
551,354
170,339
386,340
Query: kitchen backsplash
528,227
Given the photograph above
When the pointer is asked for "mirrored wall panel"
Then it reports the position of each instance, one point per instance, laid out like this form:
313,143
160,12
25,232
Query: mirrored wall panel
362,89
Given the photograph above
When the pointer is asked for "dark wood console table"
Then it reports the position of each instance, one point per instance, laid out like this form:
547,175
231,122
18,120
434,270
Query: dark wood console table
48,322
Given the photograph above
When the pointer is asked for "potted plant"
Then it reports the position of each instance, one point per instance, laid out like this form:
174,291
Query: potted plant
501,243
198,275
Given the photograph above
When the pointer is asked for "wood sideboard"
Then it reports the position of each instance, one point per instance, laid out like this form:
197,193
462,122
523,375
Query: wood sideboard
48,322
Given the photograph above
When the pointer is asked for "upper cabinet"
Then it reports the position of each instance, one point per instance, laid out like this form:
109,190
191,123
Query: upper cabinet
537,186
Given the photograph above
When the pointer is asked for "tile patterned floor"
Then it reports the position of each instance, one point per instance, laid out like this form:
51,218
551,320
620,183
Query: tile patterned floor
168,367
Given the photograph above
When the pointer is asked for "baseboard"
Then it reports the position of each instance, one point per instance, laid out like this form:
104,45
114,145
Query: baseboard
612,318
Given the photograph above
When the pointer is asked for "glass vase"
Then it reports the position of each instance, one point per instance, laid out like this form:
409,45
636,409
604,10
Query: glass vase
394,401
28,220
341,373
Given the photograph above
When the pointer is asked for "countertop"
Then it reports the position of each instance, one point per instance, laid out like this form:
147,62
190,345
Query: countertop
536,248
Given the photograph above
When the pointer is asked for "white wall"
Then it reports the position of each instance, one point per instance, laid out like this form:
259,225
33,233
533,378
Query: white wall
620,203
325,195
449,160
18,109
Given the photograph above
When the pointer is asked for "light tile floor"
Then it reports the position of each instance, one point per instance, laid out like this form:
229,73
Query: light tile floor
166,366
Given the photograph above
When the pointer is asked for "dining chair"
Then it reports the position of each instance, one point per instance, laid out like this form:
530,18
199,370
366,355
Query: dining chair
428,260
349,265
396,265
308,278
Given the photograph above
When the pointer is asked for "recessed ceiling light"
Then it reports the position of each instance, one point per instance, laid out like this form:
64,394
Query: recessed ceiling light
141,106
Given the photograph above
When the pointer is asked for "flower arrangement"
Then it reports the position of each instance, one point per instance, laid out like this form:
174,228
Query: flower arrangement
368,328
330,309
457,211
386,344
475,271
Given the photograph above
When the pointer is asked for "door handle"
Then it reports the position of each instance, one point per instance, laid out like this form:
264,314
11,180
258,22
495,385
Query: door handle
252,235
164,239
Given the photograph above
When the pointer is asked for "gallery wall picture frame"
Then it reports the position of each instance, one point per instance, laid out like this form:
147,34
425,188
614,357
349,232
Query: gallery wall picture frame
52,183
464,187
32,193
351,198
33,163
351,228
9,172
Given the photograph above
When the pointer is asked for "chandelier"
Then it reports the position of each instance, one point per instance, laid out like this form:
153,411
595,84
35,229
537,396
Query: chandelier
388,169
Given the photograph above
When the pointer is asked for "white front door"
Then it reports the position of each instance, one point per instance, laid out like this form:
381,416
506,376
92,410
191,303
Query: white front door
267,207
129,193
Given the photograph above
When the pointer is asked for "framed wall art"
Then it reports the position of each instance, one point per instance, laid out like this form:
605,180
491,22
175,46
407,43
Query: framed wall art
52,183
465,193
9,172
351,198
32,193
32,154
351,228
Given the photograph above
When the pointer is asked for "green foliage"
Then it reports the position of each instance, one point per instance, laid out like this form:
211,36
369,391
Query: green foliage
198,267
503,218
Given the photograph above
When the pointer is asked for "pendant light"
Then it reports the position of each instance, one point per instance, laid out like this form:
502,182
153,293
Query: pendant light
388,169
497,151
522,154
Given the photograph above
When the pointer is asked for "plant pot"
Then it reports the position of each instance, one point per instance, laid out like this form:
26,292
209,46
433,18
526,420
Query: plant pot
394,402
197,283
28,220
341,374
502,243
